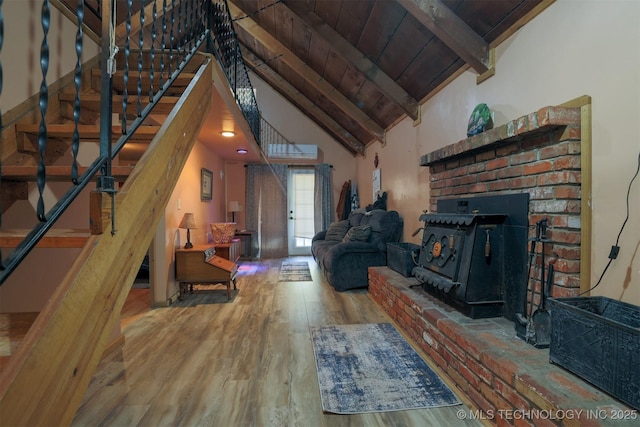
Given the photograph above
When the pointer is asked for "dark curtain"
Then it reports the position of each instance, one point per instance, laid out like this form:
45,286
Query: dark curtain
267,208
323,199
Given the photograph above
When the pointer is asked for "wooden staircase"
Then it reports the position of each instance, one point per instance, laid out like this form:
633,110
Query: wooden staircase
43,381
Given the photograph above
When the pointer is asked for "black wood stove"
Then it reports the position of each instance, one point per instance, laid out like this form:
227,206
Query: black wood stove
473,254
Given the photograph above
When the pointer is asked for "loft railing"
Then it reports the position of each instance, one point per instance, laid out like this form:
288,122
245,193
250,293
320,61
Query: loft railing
170,32
226,48
273,143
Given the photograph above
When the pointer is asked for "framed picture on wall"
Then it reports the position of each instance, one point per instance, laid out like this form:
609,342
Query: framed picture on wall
206,183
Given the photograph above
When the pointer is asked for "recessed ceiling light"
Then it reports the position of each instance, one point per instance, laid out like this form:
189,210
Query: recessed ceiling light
227,133
242,151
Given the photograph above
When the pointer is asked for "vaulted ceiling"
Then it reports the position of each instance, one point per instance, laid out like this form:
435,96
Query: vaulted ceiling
357,67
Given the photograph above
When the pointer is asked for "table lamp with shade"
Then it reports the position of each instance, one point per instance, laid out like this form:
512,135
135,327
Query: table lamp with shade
234,207
188,222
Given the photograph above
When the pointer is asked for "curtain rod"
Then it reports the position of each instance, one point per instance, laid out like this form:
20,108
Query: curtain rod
293,166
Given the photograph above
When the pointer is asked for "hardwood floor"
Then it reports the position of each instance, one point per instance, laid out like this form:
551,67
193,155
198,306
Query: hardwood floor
206,361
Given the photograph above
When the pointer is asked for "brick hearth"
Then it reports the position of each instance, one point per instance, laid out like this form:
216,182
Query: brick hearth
483,357
539,154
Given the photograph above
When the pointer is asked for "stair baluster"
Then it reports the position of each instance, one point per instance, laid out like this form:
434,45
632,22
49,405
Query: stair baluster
75,142
1,126
127,53
45,19
140,46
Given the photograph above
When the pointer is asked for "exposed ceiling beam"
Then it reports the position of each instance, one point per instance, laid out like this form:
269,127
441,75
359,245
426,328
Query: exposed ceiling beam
351,54
311,77
452,30
309,108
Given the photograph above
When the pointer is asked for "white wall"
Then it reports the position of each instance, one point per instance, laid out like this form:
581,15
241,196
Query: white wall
573,48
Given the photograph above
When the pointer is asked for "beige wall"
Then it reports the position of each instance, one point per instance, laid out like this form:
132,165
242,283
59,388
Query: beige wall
20,54
296,127
236,178
572,49
43,269
186,198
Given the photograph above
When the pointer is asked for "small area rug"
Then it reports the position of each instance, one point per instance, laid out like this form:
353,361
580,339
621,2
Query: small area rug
372,368
294,271
247,269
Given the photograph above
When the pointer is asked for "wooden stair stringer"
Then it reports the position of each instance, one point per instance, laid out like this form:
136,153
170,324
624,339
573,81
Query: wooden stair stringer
44,382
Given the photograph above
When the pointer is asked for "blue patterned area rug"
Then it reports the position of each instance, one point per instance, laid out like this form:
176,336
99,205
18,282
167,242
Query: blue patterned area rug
294,271
372,368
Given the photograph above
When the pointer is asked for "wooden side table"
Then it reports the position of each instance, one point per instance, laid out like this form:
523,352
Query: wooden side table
230,251
200,265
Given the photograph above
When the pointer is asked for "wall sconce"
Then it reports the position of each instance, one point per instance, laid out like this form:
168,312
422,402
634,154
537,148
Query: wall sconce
228,133
188,222
234,207
242,151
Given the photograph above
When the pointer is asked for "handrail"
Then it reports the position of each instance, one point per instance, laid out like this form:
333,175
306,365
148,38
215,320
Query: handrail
225,46
272,141
178,29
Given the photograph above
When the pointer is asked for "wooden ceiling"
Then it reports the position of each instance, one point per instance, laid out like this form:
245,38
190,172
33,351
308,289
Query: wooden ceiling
357,67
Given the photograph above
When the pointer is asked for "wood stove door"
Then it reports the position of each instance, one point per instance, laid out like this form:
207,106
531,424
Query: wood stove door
441,250
486,272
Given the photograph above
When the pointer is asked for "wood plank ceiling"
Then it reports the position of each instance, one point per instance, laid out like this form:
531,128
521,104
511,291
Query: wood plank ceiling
357,67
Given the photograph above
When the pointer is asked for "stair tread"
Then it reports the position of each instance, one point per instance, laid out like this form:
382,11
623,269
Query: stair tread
54,238
87,132
133,74
91,101
55,173
13,328
182,81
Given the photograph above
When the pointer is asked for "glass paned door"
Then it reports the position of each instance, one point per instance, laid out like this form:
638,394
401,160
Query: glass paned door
301,211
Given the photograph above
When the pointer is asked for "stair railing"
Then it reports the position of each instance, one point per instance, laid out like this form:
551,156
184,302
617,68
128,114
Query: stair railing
224,44
273,143
178,29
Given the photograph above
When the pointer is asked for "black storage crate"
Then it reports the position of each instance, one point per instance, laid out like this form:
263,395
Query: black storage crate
598,339
400,257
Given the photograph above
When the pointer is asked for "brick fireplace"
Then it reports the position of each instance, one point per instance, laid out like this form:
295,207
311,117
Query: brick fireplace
538,154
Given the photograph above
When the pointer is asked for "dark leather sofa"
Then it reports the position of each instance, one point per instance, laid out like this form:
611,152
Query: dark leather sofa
345,261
